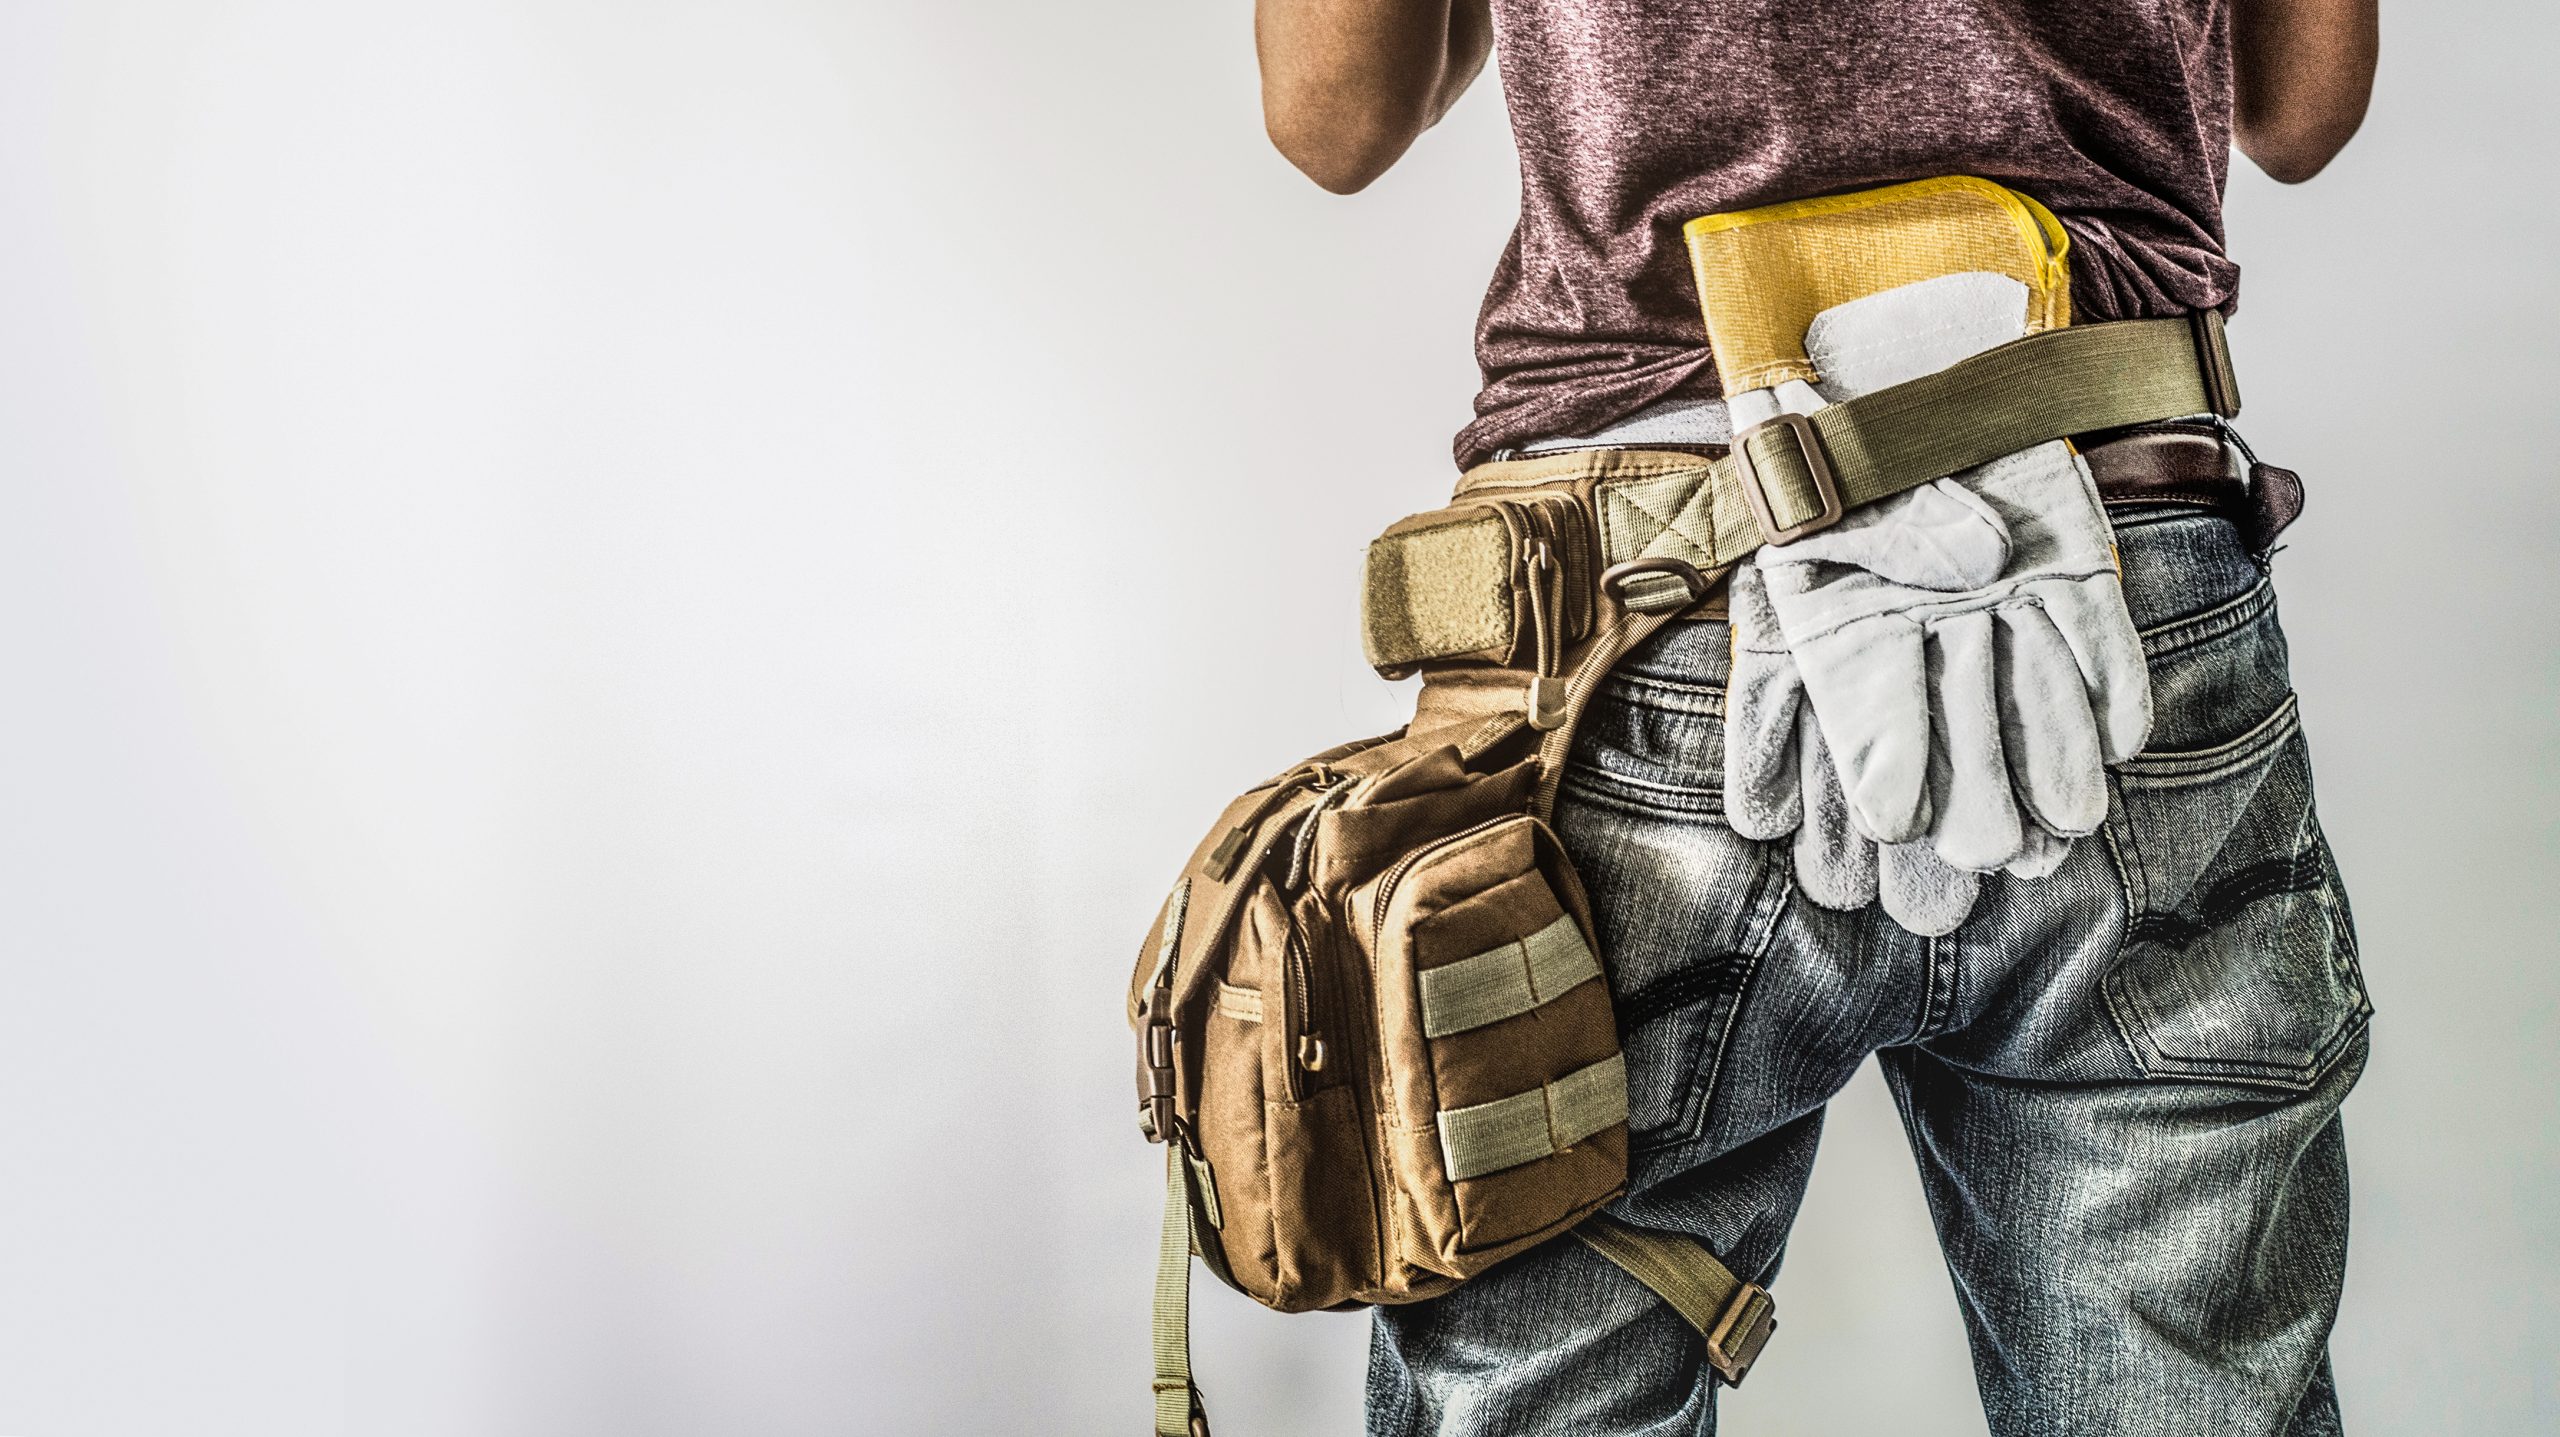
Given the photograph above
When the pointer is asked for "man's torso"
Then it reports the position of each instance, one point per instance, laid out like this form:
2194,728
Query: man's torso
1634,116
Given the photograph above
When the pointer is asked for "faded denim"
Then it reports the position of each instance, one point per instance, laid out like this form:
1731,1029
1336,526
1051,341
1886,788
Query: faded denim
2121,1082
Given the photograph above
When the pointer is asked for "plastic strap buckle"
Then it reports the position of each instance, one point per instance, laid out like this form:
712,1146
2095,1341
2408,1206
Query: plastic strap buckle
1755,481
1741,1332
1157,1087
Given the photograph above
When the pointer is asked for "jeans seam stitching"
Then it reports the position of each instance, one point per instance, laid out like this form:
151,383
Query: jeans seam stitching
1771,890
2187,767
2135,897
1928,1016
1591,784
1775,904
2190,630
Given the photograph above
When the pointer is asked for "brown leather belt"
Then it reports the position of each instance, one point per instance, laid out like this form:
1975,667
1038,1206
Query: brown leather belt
2195,464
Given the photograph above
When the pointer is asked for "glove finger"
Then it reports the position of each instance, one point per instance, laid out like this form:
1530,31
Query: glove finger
2091,616
1835,864
1868,685
2056,755
1921,892
1762,794
2042,854
1975,825
1763,698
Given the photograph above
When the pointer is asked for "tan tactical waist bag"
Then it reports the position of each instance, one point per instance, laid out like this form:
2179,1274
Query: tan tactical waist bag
1374,1030
1405,1060
1373,1024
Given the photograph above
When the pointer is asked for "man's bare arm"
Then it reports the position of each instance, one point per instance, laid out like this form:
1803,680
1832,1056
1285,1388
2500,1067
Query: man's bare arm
2304,72
1348,85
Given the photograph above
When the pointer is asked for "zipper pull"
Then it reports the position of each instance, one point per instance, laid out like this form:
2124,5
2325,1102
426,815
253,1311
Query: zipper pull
1311,1052
1303,846
1222,859
1546,687
1546,702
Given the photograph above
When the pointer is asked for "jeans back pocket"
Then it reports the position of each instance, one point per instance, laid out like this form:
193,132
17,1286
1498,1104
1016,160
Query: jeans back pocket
1686,908
2239,958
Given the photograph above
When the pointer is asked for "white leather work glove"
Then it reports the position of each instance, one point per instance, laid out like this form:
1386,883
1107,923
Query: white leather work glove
1779,781
1964,646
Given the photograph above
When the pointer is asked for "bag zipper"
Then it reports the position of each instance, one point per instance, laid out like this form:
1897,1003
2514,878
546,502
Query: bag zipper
1549,556
1302,1047
1404,865
1222,861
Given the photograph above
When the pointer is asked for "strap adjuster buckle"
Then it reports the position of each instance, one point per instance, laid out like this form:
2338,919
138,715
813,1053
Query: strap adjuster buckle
1741,1332
2213,363
1157,1086
1755,483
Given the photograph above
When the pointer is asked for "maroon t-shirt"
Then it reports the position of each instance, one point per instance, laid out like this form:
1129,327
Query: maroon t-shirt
1633,117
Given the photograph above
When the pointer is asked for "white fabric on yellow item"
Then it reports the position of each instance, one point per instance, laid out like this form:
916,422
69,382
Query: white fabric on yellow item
1763,274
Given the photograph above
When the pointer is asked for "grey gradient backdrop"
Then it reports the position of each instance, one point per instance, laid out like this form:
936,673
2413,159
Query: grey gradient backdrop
613,615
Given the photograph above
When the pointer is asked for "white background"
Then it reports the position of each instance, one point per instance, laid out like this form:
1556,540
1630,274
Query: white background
613,616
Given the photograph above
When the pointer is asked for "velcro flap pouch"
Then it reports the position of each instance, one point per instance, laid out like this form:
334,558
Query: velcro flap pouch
1506,1098
1457,583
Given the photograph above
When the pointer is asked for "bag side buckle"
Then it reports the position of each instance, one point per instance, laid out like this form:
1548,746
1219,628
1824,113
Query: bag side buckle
1155,1074
1748,467
1741,1332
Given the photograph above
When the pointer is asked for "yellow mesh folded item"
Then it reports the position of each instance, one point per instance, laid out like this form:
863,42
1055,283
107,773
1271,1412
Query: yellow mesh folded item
1763,274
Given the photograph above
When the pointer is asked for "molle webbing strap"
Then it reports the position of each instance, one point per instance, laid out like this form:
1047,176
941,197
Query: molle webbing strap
1242,1004
1507,981
1488,1137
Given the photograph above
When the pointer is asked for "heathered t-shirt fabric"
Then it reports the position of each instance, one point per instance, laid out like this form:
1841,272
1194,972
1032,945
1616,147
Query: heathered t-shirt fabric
1633,117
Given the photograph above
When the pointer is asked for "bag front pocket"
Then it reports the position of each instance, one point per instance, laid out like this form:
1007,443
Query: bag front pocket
1508,1098
2239,962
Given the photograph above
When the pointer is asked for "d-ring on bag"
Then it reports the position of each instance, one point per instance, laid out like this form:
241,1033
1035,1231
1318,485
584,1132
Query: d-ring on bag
1373,1024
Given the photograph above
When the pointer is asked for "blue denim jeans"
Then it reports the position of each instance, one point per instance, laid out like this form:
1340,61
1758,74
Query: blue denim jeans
2121,1081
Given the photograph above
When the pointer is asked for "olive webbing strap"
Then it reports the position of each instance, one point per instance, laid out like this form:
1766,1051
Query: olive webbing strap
2044,387
1602,655
1735,1317
1178,1409
1662,528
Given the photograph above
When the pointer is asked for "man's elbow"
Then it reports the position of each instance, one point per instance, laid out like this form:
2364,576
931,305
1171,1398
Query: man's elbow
1343,152
2291,151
